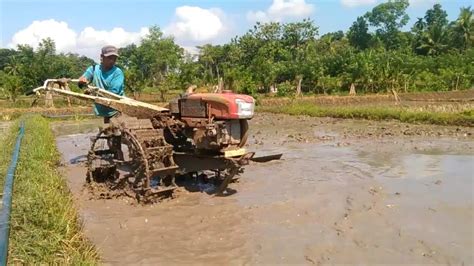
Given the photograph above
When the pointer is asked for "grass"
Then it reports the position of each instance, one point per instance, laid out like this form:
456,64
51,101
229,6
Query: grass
45,228
7,114
465,118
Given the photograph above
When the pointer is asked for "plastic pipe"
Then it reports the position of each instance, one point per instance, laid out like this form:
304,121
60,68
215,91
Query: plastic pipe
7,199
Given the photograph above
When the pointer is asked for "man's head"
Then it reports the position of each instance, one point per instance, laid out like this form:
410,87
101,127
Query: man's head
108,56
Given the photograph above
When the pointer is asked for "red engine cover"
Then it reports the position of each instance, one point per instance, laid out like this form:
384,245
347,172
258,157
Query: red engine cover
222,105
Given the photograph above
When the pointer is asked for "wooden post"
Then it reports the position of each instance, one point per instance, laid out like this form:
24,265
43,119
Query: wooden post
220,85
66,87
298,87
395,95
352,91
48,100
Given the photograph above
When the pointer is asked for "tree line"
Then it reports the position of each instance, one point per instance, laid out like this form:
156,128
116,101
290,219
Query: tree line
373,55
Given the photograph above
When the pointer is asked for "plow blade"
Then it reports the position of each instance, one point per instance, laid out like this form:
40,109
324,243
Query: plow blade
266,158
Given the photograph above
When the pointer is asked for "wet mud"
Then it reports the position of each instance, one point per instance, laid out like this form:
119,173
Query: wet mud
345,191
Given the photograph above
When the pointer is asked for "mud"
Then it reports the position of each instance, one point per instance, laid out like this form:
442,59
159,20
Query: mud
346,191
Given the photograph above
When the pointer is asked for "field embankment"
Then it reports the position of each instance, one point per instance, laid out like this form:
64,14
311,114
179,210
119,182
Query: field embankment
443,108
44,223
450,108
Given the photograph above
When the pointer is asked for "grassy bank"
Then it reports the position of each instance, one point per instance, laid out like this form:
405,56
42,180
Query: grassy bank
44,224
7,114
465,118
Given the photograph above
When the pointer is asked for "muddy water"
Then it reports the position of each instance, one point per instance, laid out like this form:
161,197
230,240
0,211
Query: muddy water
345,192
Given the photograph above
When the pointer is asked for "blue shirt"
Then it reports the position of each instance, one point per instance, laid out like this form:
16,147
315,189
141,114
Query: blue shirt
112,80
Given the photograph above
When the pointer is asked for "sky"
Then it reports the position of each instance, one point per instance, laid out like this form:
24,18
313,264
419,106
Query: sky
84,26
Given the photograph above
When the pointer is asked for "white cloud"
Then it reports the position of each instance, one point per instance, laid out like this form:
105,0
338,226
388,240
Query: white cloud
63,36
192,26
355,3
196,25
88,42
91,40
281,9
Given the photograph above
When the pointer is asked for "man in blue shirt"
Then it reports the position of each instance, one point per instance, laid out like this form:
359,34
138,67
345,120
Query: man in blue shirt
105,76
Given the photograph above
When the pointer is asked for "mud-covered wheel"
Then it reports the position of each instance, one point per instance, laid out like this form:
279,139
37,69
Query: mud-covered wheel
116,164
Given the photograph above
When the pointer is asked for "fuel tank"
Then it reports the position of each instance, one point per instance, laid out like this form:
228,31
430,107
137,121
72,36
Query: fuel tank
225,105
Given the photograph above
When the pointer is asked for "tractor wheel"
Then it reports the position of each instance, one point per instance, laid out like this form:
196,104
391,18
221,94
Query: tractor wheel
116,163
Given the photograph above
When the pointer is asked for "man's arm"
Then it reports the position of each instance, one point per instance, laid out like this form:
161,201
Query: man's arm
86,78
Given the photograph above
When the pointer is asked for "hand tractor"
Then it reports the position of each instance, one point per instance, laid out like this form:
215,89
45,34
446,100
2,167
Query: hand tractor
142,151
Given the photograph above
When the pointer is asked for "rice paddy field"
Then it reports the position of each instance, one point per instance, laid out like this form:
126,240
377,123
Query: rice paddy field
342,136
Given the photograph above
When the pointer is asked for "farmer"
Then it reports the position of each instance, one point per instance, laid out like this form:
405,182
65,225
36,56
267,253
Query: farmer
109,77
105,76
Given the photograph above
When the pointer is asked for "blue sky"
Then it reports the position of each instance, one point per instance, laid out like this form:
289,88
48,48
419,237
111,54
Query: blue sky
83,26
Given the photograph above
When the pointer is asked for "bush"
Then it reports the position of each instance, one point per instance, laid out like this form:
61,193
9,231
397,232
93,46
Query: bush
285,89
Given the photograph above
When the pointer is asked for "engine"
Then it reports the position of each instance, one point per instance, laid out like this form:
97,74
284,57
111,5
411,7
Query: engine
214,121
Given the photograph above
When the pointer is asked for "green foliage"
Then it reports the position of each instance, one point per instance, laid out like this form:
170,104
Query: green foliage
154,62
134,80
10,86
463,29
359,35
26,68
245,84
285,89
388,18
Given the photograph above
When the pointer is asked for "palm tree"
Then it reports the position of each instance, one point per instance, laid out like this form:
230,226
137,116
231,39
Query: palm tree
434,41
13,66
464,25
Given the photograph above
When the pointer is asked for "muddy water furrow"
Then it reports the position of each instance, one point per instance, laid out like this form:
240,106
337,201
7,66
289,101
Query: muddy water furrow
345,192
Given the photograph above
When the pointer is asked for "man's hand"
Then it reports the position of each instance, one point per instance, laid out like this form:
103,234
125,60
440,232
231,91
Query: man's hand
82,82
63,82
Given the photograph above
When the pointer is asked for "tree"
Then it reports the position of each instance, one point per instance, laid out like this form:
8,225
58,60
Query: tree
388,18
157,57
333,36
11,85
5,56
296,38
134,81
261,52
418,31
431,33
358,34
46,60
13,67
434,41
436,16
464,29
189,70
211,56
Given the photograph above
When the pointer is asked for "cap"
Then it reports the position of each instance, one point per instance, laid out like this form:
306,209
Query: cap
109,50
